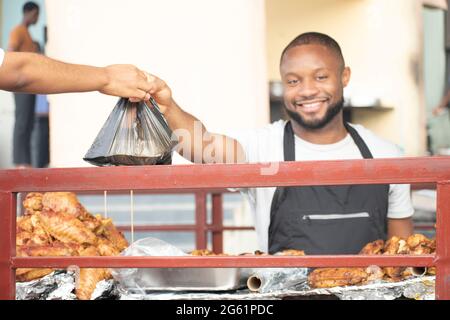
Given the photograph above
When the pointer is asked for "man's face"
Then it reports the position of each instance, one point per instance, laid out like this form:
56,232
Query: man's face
33,16
313,80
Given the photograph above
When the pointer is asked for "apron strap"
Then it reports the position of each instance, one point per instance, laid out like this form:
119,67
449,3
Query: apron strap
289,142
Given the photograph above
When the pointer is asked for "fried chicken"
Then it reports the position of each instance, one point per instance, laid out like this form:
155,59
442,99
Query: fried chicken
336,277
65,227
394,246
63,202
419,244
56,224
110,232
89,277
290,252
33,202
373,248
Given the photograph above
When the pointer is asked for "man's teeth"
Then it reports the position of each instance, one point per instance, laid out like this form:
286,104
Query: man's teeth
311,105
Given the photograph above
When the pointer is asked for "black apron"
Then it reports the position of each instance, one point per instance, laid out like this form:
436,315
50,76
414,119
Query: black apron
327,219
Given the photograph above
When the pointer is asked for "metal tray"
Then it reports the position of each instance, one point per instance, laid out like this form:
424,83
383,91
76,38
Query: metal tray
185,279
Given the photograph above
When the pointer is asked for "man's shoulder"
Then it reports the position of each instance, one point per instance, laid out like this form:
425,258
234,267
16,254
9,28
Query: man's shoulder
378,146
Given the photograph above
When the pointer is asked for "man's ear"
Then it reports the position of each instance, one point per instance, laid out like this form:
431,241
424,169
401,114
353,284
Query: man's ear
345,77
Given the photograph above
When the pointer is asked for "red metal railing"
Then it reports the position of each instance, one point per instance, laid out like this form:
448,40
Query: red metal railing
207,178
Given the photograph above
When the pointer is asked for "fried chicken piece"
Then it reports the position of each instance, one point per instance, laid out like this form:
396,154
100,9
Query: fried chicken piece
64,202
66,228
24,223
23,238
112,234
373,248
89,277
106,248
55,249
201,253
394,246
419,244
29,274
290,252
336,277
431,271
33,202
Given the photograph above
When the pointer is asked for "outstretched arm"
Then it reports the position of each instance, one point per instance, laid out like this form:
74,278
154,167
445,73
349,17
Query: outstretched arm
196,143
34,73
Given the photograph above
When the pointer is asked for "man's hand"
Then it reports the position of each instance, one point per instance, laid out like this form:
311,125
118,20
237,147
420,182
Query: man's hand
125,80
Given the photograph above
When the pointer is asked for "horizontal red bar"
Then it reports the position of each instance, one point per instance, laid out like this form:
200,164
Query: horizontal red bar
216,176
168,228
223,262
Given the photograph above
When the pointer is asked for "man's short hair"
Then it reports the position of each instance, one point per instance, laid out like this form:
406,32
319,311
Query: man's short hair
316,38
30,6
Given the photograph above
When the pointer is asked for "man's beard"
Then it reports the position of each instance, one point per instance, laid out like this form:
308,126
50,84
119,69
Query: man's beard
315,124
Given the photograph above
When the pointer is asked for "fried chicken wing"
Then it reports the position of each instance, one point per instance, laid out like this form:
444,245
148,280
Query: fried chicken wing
393,246
335,277
419,244
290,252
66,228
113,235
33,202
29,274
373,248
63,202
89,277
106,248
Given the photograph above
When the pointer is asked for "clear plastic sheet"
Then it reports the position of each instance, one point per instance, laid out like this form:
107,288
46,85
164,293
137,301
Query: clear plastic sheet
133,134
144,280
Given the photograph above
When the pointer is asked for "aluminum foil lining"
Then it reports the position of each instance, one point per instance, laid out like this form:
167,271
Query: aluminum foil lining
59,285
420,288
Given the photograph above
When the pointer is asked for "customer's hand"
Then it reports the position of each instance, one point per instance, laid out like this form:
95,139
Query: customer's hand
127,81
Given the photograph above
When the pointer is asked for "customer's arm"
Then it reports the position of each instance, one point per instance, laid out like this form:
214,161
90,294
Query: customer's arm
34,73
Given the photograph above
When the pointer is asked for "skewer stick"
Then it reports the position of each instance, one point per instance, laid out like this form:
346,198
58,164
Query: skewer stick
132,215
105,206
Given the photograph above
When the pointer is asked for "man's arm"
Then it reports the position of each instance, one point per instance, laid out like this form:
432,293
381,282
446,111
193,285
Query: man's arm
196,143
34,73
402,228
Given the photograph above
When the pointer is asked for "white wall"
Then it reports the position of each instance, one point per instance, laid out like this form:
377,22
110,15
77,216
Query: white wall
211,53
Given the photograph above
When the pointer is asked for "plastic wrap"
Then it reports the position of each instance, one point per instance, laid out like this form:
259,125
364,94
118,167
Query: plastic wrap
142,280
273,279
133,134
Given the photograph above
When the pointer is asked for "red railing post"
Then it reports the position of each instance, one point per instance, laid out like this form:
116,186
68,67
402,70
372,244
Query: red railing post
443,241
217,222
200,220
7,245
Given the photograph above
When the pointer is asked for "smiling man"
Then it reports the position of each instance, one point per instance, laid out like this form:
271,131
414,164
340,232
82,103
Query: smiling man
318,220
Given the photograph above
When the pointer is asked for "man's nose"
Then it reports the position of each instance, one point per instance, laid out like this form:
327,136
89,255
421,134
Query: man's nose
308,89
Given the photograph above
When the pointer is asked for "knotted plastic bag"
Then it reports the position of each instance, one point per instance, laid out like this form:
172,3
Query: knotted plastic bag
135,133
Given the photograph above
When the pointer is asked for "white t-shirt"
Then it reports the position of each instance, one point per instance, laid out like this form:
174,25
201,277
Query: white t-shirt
266,145
2,56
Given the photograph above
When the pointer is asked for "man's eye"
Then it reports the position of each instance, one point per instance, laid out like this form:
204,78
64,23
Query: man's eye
322,78
292,82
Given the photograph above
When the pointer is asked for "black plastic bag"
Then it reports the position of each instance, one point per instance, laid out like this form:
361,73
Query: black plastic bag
134,134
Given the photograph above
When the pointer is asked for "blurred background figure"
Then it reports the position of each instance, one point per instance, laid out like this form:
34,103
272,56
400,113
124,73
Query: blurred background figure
443,104
40,137
20,40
